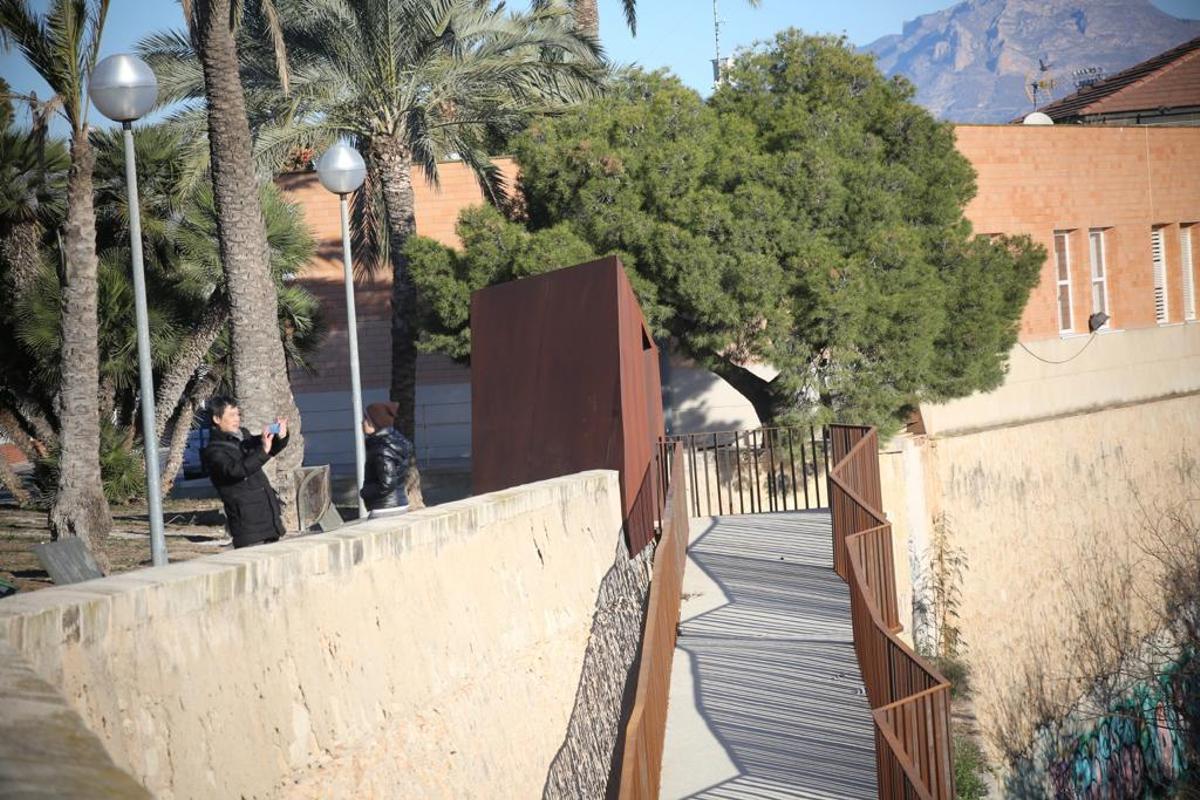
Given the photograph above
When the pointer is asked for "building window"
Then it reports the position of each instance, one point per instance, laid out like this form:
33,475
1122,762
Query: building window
1062,265
1158,256
1189,272
1099,273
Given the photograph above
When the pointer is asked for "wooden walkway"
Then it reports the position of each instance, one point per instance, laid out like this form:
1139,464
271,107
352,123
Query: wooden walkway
766,698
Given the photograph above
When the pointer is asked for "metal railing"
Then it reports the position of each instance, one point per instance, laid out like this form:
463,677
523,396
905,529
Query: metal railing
910,700
641,764
754,471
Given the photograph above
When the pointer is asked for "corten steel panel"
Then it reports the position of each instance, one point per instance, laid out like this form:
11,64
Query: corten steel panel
562,379
641,400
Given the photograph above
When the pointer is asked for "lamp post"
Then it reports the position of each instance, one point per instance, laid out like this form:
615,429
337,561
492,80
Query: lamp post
124,89
341,170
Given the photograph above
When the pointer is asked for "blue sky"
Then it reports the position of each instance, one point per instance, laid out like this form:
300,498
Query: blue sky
671,33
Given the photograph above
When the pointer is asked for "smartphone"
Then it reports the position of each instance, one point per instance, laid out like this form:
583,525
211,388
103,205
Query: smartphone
273,429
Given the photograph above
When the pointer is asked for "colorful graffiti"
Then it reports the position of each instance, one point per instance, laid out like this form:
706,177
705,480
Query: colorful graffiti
1136,750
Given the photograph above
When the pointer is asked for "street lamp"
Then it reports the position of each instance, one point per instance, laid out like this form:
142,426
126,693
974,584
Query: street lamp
123,88
341,170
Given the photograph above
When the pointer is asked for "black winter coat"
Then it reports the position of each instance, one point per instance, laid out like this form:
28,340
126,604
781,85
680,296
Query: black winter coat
252,508
388,456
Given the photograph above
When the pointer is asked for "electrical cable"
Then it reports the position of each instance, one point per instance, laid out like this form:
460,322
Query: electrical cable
1091,339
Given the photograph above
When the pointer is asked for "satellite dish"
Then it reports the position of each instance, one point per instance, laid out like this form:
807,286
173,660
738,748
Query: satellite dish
1037,118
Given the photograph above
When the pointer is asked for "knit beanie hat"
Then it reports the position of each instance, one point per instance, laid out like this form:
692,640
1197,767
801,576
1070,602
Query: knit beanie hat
382,415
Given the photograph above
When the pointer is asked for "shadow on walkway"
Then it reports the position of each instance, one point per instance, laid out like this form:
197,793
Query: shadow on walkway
766,697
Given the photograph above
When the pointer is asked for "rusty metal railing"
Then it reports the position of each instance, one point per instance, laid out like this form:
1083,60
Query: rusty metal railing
910,700
754,471
641,764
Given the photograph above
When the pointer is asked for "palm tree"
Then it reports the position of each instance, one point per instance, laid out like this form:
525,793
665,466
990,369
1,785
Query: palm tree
415,82
61,46
259,367
587,15
409,83
186,286
33,170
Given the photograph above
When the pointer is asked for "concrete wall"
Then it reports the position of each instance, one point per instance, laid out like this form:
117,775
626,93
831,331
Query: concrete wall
443,425
434,655
1114,368
1040,510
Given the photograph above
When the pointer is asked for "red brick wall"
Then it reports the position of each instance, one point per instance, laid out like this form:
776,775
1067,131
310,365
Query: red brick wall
1031,179
437,213
1126,180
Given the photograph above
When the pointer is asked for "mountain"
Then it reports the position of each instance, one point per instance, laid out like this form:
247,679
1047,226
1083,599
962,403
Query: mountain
971,62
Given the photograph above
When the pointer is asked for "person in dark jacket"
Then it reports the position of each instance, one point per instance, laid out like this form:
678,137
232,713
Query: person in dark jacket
388,458
235,459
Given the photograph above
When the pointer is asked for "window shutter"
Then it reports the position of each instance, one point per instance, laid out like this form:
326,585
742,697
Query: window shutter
1160,275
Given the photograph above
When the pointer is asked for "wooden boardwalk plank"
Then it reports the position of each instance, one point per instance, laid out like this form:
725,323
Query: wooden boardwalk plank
766,696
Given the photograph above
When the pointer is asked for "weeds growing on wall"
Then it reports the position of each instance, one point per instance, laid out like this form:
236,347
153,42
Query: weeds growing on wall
936,604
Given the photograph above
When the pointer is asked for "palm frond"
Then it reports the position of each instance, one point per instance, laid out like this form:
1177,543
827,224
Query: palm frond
368,229
278,43
171,55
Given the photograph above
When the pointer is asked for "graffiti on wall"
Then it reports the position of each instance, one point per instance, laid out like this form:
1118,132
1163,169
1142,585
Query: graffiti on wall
1135,750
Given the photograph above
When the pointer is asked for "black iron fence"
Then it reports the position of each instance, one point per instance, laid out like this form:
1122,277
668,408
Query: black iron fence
753,471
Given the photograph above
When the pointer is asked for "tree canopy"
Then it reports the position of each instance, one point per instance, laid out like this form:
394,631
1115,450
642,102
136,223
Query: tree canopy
808,217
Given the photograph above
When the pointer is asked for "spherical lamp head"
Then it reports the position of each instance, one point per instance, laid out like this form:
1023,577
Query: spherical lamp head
123,87
341,169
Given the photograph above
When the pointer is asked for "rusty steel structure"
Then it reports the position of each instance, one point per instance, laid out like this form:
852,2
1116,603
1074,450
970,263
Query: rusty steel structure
565,378
645,732
910,700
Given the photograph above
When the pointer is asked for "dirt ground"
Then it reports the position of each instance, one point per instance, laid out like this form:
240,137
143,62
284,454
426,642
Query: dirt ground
193,527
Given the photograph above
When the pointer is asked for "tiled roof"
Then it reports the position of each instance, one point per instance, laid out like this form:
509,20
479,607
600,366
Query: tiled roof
1168,80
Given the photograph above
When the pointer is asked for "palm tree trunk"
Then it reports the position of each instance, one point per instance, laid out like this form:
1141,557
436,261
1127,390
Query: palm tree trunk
392,161
20,250
187,361
587,18
259,367
80,508
394,164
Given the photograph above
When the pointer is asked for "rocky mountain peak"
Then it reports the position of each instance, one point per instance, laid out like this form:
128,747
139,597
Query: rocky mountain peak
972,62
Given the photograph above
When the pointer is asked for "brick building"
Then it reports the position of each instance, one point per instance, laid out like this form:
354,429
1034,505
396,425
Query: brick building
1115,207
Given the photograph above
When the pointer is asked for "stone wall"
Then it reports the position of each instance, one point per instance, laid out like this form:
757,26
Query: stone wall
435,655
588,763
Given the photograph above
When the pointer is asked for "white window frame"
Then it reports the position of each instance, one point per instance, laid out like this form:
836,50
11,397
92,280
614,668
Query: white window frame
1060,282
1158,280
1187,264
1097,234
